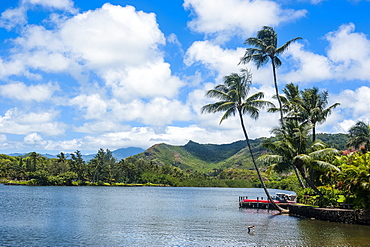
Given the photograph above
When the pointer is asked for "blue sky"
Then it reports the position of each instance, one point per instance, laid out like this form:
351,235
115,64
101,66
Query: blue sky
83,75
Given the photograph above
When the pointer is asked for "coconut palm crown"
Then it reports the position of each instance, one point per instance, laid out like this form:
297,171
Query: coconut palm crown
233,96
265,48
359,135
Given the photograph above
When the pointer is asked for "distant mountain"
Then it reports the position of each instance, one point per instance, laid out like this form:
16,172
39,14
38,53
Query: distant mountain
126,152
201,157
205,157
23,155
118,154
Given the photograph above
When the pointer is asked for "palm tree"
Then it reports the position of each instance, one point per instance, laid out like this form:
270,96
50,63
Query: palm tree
78,165
313,107
233,95
359,135
291,102
293,149
291,141
265,49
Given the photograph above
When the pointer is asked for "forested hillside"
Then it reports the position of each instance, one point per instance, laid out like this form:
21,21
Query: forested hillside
206,157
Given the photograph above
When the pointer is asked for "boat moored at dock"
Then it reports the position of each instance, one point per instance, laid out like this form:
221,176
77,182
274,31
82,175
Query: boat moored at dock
280,198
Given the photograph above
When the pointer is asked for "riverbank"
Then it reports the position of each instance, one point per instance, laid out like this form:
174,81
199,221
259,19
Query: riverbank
348,216
31,183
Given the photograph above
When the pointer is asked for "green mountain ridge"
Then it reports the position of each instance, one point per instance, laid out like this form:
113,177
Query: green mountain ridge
208,157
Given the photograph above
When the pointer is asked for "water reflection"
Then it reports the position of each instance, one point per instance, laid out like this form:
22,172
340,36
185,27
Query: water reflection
147,216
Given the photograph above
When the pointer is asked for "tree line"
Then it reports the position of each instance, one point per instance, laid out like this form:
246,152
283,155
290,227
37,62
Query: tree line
104,169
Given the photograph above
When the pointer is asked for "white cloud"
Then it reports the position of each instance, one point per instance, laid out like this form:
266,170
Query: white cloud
17,122
100,126
17,16
347,58
213,57
32,138
345,125
94,105
350,53
355,104
68,145
222,62
66,5
113,36
13,17
20,91
308,66
156,112
3,141
119,44
237,17
152,79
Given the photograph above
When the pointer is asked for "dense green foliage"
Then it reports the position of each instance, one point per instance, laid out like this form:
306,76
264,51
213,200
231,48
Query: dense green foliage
103,169
354,178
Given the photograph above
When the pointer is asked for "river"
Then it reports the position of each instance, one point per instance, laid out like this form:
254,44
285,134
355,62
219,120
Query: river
156,216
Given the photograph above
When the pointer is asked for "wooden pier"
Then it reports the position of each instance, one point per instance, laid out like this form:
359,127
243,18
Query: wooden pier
259,203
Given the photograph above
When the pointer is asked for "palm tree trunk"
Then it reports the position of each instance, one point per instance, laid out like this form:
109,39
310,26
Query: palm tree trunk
309,181
314,132
277,93
299,177
282,210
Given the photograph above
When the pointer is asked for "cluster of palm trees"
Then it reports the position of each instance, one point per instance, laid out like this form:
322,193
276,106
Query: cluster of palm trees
300,112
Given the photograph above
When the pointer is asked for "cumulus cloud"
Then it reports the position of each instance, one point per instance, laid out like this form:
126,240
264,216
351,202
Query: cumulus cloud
237,17
95,107
21,91
32,138
355,103
212,56
308,66
17,122
150,80
119,44
347,58
350,52
113,36
156,112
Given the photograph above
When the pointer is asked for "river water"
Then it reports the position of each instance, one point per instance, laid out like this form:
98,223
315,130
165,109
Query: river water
156,216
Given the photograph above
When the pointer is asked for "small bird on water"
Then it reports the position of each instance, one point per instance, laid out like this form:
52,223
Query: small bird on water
250,227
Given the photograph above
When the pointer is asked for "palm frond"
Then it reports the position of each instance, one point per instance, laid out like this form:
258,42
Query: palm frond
284,47
324,166
270,158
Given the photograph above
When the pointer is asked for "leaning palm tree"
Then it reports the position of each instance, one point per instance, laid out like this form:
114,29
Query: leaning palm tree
313,107
294,150
265,49
359,136
233,95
